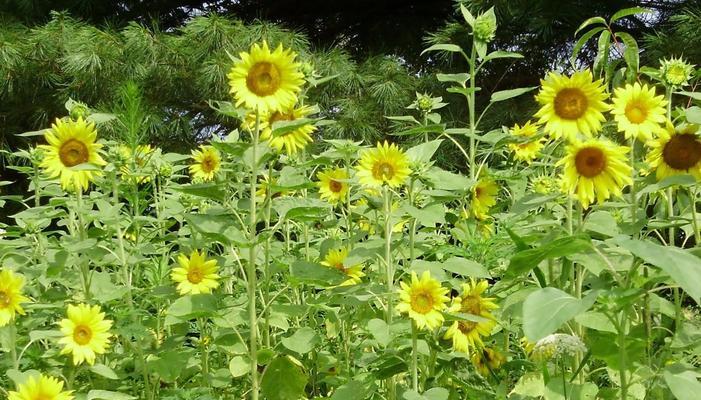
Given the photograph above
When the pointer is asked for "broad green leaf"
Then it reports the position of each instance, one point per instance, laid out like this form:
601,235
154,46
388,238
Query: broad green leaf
501,54
352,390
220,227
467,15
169,365
283,379
631,53
452,48
104,371
41,335
671,181
380,331
602,52
683,267
457,78
523,261
422,153
194,306
546,309
693,95
315,273
108,395
465,267
627,12
555,390
211,191
302,341
590,21
427,216
683,382
509,94
239,366
584,39
420,130
693,115
530,384
442,179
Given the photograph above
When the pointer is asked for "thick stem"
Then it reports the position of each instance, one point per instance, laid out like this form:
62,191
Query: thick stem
633,194
84,268
471,111
622,355
414,357
252,317
694,221
389,273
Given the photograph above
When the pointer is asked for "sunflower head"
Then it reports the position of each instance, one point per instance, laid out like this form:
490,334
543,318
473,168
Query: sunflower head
11,296
676,151
571,105
676,72
266,80
195,274
333,185
484,197
86,333
423,299
290,141
385,164
40,387
135,162
336,258
637,111
486,360
543,184
71,143
595,170
466,334
207,162
526,150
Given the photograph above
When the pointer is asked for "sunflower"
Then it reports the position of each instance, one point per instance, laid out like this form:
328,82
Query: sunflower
526,150
595,170
266,81
86,333
638,111
676,72
467,333
71,143
571,104
40,388
423,300
332,185
385,164
293,140
263,183
207,163
487,360
195,274
484,195
336,259
138,158
543,184
10,296
676,152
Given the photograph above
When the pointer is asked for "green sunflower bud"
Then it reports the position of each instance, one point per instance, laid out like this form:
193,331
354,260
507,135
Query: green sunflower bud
676,72
485,26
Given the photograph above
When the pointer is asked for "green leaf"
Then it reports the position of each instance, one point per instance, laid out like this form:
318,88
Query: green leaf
530,384
239,366
693,115
104,371
602,53
380,331
420,130
315,273
523,261
428,216
283,379
220,227
590,21
194,306
546,309
693,95
352,390
467,15
501,54
422,153
631,54
108,395
168,365
683,267
465,267
452,48
508,94
302,341
627,12
671,181
40,132
584,39
683,383
208,190
283,127
442,179
457,78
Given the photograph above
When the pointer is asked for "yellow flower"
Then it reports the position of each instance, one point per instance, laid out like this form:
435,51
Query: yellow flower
10,296
543,184
263,183
41,388
207,163
86,333
676,72
595,170
484,195
266,81
676,152
292,141
195,274
423,299
570,105
385,164
467,333
487,360
526,151
71,143
332,185
140,158
336,259
638,111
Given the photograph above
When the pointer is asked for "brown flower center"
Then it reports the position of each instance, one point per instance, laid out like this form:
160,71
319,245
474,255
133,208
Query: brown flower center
82,335
73,152
590,161
383,171
636,113
340,267
195,275
208,164
335,186
682,151
263,79
469,305
4,299
570,103
478,192
421,302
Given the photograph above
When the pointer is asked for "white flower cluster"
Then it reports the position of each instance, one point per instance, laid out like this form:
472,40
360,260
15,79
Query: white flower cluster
558,345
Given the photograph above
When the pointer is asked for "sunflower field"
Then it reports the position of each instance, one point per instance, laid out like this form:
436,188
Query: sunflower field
280,258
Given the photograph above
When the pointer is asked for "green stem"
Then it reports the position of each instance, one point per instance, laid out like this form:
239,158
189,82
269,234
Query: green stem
694,222
633,194
389,273
414,357
622,355
204,356
471,111
13,345
84,268
266,274
252,317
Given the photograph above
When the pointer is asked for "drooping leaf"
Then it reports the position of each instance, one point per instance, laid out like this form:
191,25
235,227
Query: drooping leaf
546,309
